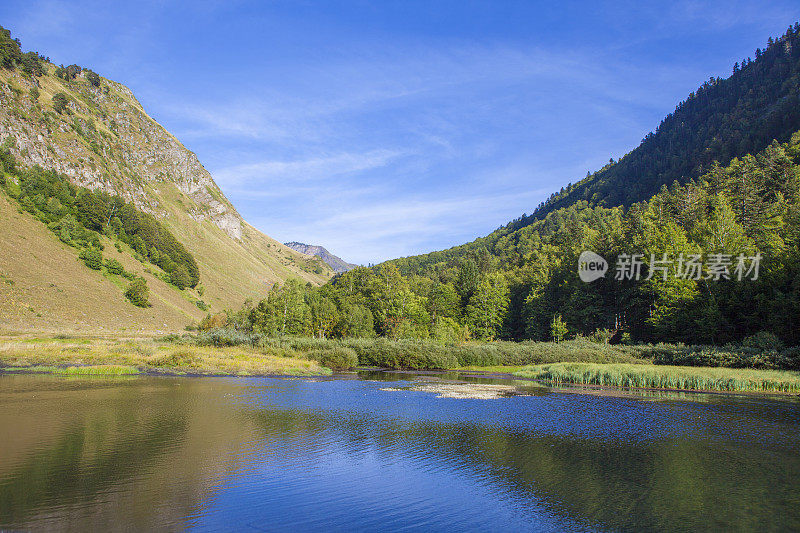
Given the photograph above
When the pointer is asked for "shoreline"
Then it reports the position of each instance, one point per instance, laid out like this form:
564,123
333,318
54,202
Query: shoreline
577,366
86,371
588,388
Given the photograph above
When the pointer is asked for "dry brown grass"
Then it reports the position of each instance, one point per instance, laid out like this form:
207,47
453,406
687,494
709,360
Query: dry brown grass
46,288
231,270
150,355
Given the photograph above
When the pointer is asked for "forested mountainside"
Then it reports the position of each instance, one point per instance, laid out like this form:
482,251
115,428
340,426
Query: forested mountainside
738,223
723,119
338,264
528,286
95,134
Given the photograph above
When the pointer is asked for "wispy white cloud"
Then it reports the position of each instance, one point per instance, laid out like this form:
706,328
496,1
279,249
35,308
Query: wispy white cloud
387,228
385,144
299,171
443,120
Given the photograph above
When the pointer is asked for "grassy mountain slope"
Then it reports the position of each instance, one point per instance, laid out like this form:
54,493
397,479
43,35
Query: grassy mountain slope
723,119
45,287
104,140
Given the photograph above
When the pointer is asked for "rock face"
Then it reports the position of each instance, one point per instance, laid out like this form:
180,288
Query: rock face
108,142
338,264
105,140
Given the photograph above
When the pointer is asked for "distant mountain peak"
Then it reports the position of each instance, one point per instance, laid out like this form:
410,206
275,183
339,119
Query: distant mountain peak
338,264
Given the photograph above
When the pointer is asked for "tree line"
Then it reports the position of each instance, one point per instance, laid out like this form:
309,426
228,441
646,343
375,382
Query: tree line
12,56
525,285
722,119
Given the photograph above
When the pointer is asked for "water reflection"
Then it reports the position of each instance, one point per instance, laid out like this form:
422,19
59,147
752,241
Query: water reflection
225,454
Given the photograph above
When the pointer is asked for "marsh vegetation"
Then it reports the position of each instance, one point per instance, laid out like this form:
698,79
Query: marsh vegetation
227,353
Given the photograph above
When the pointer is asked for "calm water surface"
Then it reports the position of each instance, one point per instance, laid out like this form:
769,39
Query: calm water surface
260,454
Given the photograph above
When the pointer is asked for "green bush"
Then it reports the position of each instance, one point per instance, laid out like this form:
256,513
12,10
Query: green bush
137,293
422,354
403,354
602,336
93,78
180,277
114,267
92,258
335,358
226,337
60,101
182,358
753,353
763,341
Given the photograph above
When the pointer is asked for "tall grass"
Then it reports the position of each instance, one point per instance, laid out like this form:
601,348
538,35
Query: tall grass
335,358
88,370
665,377
429,355
105,356
743,356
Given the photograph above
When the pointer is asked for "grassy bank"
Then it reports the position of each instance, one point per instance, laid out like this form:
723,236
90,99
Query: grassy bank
117,357
665,377
429,355
87,370
761,353
232,353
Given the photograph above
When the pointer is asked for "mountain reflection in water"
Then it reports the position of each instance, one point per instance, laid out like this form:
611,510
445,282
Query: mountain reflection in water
281,454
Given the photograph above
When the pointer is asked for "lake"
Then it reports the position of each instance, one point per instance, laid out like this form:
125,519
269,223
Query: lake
388,451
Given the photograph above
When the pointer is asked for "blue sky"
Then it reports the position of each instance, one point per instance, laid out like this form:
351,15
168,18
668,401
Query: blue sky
384,129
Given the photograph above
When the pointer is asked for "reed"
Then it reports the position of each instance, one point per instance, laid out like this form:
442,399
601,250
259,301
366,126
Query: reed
665,377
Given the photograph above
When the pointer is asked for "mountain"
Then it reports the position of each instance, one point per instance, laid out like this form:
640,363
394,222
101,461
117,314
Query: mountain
95,132
722,120
721,175
338,264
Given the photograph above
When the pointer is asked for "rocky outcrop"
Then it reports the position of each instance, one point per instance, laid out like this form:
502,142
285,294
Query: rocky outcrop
338,264
107,141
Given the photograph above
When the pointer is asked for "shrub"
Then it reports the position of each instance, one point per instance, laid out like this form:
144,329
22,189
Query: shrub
114,267
404,354
220,320
602,336
93,78
181,358
789,359
335,358
137,293
727,356
180,277
92,258
226,337
60,101
763,341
